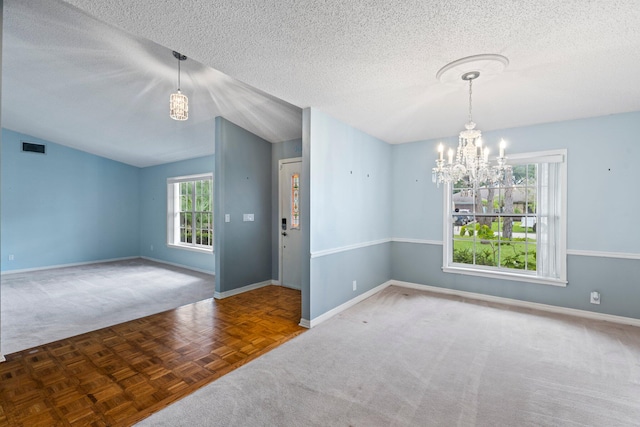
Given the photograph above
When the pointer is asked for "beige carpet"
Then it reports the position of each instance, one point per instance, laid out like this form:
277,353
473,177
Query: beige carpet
42,306
410,358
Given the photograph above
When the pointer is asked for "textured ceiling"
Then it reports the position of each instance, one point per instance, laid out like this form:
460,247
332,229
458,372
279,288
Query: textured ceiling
372,63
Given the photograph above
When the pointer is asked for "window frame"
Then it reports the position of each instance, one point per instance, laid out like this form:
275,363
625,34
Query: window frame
541,157
173,213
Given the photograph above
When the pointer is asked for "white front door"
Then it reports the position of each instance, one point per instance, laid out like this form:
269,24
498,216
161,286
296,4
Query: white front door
289,224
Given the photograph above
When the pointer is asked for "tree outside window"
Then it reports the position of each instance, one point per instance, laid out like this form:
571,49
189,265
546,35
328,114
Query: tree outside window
515,226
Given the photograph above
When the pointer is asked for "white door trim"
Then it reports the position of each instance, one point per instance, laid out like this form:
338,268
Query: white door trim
280,163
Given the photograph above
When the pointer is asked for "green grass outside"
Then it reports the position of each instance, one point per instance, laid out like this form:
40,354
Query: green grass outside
517,227
519,255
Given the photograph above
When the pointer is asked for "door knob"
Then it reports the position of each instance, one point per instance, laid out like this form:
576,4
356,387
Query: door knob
284,233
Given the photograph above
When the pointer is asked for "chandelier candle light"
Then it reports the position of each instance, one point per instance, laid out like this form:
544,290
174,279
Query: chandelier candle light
472,157
178,102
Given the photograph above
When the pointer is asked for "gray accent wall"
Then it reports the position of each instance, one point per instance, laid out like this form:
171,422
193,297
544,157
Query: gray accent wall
332,275
615,278
350,212
242,186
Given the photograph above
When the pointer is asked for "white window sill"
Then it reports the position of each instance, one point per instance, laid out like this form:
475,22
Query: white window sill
505,276
191,248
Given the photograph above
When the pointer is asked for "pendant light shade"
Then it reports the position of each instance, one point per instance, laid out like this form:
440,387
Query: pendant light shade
178,106
178,102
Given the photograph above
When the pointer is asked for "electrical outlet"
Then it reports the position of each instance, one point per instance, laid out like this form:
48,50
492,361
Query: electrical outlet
355,285
11,258
595,297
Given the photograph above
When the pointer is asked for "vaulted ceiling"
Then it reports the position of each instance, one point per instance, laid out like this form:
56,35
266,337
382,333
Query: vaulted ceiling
369,63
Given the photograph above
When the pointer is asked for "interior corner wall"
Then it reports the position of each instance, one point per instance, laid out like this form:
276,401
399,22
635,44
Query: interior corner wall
350,212
1,253
279,151
242,186
602,236
65,206
305,214
153,213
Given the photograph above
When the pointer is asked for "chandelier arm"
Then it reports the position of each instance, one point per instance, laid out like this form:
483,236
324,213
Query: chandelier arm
472,158
178,73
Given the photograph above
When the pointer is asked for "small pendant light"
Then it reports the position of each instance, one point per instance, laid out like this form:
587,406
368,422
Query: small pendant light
179,103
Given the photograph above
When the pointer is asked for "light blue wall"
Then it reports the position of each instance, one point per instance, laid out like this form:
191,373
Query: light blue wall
153,212
242,186
1,253
350,191
65,207
601,155
279,151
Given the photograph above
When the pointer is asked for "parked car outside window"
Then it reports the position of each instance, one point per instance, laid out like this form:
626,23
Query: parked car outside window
528,222
462,217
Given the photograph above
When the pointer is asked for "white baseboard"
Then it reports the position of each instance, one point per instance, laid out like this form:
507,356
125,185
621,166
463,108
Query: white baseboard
73,264
305,323
342,307
2,359
525,304
472,295
175,264
226,294
76,264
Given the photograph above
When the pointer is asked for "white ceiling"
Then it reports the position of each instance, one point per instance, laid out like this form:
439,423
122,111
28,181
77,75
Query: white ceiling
369,63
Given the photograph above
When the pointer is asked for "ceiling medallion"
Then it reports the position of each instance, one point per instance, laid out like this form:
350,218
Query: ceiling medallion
471,162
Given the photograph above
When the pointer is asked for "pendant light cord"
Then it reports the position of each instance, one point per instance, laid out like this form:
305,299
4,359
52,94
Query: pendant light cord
179,73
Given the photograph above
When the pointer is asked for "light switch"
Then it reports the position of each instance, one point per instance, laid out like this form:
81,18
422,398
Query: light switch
247,217
227,218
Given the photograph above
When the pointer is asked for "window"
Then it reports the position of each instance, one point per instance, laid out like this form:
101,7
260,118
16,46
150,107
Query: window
190,212
515,229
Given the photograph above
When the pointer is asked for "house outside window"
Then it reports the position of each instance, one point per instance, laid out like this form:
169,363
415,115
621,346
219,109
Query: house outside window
513,230
190,212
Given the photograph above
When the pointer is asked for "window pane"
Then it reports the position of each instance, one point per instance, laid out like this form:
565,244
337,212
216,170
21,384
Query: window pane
193,215
491,234
517,225
463,251
185,235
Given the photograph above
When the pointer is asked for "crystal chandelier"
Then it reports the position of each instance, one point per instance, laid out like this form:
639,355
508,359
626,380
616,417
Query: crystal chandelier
179,103
471,162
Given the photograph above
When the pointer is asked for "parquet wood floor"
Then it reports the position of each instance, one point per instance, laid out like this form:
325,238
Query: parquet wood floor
119,375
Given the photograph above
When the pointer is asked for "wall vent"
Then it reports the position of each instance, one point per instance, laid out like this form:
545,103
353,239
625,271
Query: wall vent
34,148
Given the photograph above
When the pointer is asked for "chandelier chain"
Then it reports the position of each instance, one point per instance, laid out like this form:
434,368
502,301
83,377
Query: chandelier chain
470,92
